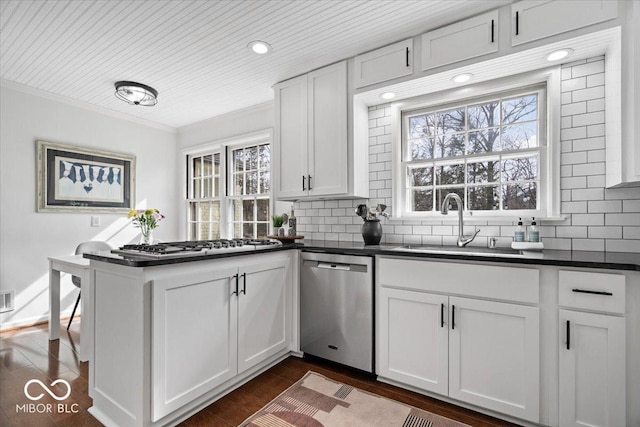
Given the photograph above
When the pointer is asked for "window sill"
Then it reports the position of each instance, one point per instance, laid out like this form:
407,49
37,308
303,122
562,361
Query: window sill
452,218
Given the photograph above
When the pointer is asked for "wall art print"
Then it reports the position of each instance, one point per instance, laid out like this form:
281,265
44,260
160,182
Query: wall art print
80,179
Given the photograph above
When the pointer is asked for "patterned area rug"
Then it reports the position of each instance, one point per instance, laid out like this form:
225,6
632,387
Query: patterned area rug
317,401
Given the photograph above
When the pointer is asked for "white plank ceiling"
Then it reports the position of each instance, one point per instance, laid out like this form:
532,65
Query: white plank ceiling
194,51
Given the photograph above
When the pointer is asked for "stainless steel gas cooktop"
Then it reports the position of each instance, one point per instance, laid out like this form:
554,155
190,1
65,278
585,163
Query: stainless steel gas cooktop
193,248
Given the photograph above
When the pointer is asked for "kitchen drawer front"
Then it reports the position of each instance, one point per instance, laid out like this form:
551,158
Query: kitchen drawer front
592,291
484,281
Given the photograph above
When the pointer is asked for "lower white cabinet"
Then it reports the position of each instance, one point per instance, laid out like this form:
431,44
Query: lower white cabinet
482,352
209,326
592,370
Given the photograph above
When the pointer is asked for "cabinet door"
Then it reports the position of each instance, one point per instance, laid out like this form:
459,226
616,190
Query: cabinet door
290,142
464,40
384,64
328,151
264,312
412,339
592,370
194,337
537,19
494,356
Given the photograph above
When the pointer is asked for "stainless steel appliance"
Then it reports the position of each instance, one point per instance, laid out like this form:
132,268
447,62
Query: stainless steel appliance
193,248
336,308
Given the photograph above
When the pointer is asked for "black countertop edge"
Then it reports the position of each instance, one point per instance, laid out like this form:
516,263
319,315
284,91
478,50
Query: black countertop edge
112,258
584,259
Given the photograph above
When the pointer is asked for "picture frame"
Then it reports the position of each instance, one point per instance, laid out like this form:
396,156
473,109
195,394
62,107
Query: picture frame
82,179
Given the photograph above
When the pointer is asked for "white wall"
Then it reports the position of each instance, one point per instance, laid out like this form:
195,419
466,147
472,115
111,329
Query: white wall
27,238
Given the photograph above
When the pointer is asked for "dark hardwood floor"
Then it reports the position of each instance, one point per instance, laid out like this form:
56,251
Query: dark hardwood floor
27,354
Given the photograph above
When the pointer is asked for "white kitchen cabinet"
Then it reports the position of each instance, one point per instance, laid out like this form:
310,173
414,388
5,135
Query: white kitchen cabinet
413,339
290,145
474,350
384,64
537,19
311,145
592,348
264,318
592,370
210,326
494,356
467,39
194,339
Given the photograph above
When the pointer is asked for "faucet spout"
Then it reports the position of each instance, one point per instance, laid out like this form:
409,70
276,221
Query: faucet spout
462,239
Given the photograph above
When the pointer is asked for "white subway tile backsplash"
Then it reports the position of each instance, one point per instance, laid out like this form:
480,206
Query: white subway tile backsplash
605,232
622,219
587,69
588,244
597,219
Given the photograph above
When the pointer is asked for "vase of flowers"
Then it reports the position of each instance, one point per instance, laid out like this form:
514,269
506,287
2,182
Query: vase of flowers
146,220
371,229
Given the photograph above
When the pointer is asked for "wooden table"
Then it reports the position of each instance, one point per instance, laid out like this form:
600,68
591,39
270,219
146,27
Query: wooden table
77,266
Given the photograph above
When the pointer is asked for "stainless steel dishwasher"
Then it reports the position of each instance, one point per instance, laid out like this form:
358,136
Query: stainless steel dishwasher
336,308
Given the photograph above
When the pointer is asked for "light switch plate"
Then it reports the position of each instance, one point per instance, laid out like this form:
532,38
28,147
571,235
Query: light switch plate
95,221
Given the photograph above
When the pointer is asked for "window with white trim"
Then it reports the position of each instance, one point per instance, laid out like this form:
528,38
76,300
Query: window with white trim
228,190
489,150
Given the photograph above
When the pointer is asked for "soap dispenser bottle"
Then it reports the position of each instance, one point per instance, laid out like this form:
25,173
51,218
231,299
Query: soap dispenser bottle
518,236
534,233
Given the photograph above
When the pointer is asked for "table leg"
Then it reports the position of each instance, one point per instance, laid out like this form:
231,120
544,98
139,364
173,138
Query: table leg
86,323
54,303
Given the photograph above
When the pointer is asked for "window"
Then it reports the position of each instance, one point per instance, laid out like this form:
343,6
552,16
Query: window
487,150
204,197
251,184
228,190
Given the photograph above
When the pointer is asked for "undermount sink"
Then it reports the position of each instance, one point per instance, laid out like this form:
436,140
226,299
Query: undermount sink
490,252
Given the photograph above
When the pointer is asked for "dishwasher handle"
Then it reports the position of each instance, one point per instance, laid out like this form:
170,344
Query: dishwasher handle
334,266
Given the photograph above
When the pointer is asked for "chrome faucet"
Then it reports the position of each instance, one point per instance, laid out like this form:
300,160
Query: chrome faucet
462,239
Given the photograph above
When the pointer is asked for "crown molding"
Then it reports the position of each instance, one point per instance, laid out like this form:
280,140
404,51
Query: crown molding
230,114
84,105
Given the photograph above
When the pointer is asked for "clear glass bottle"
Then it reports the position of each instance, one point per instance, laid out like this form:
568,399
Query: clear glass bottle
293,224
518,236
534,233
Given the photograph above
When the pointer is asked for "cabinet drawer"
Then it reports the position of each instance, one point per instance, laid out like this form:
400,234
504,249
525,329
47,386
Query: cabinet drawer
592,291
484,281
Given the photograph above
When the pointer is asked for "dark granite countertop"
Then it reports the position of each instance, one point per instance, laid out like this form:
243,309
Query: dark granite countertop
585,259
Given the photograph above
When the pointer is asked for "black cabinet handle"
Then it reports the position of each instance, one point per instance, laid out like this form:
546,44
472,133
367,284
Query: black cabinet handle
517,23
407,52
453,317
584,291
442,315
492,31
568,336
309,181
303,186
244,283
236,291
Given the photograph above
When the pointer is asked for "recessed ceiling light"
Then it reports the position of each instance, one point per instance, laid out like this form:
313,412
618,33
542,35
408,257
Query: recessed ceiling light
387,95
461,78
259,47
559,54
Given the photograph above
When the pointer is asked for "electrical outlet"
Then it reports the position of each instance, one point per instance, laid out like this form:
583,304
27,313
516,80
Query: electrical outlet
95,221
7,300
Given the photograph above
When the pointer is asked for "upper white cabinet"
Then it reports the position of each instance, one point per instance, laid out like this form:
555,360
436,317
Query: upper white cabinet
463,40
536,19
313,156
384,64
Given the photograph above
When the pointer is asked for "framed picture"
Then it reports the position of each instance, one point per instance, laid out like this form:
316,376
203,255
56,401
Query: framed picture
79,179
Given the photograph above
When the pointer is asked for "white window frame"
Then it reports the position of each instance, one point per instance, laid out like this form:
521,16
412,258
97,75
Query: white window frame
549,164
223,147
